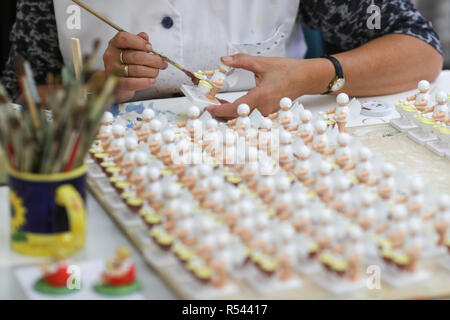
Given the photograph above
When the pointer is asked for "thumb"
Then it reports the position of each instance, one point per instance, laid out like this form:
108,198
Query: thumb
243,61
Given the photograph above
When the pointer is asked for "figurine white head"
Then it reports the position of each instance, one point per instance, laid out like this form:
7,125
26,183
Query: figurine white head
266,123
173,190
283,184
300,200
193,112
320,126
305,116
168,136
243,110
131,143
205,170
416,185
118,130
414,226
108,118
211,125
441,97
424,86
285,104
153,173
285,137
141,158
444,202
233,194
399,213
343,184
148,115
215,183
343,139
388,170
286,232
302,151
155,126
342,99
364,154
366,200
325,168
355,234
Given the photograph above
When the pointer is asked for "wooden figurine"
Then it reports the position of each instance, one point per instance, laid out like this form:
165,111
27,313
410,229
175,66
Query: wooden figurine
440,110
320,139
302,169
442,219
422,98
154,139
106,126
286,153
147,117
343,154
342,112
305,130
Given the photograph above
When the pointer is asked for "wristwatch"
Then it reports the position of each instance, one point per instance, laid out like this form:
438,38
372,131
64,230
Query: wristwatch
339,81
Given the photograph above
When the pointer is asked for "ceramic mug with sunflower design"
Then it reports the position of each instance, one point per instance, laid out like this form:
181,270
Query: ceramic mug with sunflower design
47,212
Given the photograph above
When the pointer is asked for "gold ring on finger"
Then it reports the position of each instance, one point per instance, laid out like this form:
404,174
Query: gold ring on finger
125,68
121,57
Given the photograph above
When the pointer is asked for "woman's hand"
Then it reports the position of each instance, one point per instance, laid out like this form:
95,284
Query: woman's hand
143,67
276,78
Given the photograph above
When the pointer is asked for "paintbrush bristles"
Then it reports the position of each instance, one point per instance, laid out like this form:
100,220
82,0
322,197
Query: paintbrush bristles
31,143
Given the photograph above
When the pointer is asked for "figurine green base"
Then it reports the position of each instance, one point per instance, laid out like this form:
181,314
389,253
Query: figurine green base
114,291
45,288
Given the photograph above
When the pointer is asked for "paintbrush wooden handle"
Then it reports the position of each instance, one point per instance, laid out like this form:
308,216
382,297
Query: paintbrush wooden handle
98,15
77,56
115,26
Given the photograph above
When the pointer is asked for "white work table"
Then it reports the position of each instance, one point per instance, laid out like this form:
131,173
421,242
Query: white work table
103,236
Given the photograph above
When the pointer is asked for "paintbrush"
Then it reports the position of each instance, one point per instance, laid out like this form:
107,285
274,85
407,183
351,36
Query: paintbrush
190,74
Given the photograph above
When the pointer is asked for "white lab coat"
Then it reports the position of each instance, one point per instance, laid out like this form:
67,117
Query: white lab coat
202,32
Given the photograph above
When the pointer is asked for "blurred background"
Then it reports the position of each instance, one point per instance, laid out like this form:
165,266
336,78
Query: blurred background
437,11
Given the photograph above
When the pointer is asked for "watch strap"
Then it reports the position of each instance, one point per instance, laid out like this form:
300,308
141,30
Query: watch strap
338,70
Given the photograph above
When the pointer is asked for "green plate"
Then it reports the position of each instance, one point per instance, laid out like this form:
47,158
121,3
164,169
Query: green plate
115,291
45,288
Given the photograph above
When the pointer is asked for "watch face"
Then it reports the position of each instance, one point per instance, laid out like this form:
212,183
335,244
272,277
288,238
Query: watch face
338,85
